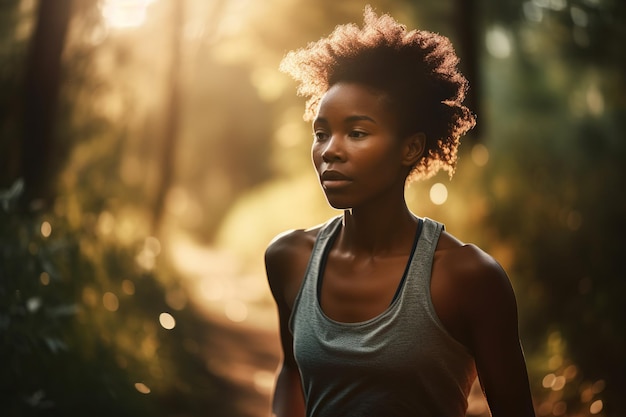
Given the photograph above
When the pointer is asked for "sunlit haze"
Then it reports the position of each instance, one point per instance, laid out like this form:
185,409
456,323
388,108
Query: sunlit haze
125,13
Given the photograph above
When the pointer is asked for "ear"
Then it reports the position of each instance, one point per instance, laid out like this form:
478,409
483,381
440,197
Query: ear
413,148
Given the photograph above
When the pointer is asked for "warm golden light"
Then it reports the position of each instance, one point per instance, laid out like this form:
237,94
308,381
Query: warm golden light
548,380
598,386
142,388
236,311
176,298
559,408
110,301
125,13
44,278
264,381
167,321
153,245
596,407
128,287
106,223
480,154
559,383
438,194
46,229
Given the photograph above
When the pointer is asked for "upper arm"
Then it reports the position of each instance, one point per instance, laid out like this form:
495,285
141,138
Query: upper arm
285,265
491,310
286,259
276,266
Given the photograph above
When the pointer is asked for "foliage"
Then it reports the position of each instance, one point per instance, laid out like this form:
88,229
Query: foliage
556,137
80,327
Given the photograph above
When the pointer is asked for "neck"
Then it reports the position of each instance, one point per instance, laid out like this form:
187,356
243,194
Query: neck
378,232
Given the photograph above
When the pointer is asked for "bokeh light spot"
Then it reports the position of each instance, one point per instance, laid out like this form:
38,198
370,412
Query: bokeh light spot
33,304
598,386
498,42
44,278
596,407
548,381
559,383
110,301
167,321
586,395
438,193
142,388
128,287
46,229
480,154
570,372
559,408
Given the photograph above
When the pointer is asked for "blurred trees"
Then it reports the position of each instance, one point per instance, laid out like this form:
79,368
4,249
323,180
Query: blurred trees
556,119
208,135
88,326
41,84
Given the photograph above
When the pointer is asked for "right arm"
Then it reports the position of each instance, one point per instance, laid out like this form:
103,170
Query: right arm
288,399
285,264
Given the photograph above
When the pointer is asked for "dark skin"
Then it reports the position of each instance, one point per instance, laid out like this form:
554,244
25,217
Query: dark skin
363,167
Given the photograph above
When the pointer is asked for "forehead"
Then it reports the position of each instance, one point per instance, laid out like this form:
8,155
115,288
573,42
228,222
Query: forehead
347,99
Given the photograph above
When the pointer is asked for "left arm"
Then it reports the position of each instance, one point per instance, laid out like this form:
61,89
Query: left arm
494,339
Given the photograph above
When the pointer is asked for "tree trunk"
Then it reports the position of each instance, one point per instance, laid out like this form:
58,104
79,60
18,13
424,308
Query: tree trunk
41,91
172,118
469,51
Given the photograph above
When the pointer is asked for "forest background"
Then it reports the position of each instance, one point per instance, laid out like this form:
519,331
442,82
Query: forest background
150,149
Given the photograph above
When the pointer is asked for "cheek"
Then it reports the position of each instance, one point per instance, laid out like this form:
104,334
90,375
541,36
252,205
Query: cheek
316,157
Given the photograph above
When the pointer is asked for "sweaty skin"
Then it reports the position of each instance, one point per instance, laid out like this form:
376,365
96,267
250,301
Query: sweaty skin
363,167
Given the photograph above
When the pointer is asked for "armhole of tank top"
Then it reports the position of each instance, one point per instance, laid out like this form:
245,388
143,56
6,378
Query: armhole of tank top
429,300
326,228
322,265
418,233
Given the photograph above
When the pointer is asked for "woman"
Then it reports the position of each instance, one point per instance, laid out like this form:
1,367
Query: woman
383,313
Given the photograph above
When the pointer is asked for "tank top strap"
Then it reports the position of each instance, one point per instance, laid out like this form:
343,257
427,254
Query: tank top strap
320,247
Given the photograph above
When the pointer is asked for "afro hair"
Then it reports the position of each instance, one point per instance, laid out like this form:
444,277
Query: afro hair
416,70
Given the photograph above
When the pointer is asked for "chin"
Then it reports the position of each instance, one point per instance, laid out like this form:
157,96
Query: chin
338,204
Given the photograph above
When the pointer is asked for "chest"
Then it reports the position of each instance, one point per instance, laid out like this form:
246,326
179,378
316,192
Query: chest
353,290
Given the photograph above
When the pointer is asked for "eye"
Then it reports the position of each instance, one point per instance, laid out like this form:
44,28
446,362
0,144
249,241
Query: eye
357,134
320,135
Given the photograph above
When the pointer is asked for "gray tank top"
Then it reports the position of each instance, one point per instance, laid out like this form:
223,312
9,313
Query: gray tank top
401,363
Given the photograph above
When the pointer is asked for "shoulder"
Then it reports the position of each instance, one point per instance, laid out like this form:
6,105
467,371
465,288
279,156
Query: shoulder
469,288
287,245
286,259
468,266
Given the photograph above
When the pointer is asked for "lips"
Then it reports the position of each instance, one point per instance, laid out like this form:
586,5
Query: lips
334,176
334,179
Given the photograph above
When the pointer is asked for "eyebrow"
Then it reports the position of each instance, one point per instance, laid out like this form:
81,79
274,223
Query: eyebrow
349,119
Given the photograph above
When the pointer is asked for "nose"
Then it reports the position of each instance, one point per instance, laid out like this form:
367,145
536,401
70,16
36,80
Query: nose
333,149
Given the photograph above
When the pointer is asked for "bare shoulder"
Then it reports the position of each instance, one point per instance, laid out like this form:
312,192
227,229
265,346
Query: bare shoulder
468,266
286,259
469,288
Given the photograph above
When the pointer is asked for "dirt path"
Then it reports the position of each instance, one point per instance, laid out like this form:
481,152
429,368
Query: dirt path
243,344
247,357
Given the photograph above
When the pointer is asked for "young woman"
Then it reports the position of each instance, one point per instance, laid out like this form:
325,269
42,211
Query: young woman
383,313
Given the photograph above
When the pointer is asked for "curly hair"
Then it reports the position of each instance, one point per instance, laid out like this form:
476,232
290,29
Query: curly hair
416,70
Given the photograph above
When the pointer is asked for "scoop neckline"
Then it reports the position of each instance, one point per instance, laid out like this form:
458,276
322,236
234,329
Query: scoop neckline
397,295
